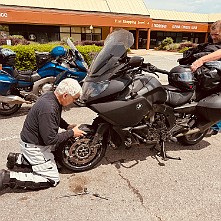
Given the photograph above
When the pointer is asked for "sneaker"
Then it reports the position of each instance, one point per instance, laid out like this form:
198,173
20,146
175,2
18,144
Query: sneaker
4,179
11,160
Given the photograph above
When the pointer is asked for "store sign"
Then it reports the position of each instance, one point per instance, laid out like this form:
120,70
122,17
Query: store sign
160,26
124,21
3,15
174,26
130,22
188,27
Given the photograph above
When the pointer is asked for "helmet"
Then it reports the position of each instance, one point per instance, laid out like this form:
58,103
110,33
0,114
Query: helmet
58,51
181,77
7,57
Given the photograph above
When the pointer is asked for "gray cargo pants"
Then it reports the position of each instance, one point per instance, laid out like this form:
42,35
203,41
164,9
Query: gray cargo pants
45,172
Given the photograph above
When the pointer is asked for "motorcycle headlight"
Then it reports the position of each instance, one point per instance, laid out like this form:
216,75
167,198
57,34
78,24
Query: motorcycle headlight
92,89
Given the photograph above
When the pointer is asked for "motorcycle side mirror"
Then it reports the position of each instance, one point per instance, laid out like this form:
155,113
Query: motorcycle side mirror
136,61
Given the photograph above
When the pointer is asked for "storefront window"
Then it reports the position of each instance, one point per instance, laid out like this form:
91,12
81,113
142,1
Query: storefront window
76,37
64,35
38,33
159,33
81,33
75,29
65,29
93,34
76,33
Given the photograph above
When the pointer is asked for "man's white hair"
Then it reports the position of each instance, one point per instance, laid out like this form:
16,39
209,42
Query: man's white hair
69,86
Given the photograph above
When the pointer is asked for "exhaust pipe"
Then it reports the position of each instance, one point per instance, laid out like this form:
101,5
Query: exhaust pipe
188,132
13,99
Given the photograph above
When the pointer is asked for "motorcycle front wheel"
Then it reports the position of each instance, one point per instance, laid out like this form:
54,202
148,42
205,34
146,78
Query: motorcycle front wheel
79,155
8,109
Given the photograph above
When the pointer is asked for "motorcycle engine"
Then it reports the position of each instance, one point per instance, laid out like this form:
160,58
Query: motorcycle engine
152,132
45,88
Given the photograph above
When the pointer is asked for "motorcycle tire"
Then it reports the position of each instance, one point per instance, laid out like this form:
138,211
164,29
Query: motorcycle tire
192,139
79,157
7,109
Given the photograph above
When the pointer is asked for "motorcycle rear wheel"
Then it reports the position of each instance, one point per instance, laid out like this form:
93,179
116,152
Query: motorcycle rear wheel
78,155
7,109
191,139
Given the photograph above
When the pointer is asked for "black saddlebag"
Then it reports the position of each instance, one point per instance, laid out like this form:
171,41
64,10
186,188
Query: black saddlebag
210,107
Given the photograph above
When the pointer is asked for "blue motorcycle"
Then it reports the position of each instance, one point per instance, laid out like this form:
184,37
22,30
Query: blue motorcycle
19,87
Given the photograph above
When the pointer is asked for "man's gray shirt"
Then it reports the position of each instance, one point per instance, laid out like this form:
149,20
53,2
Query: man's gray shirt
43,121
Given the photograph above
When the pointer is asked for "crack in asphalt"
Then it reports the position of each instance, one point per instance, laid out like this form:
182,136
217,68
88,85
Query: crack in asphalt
134,190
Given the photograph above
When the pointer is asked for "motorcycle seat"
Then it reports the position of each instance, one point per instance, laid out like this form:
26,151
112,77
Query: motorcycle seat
176,97
23,75
28,72
171,88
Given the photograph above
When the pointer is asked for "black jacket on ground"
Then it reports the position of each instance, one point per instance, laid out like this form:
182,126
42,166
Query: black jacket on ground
43,121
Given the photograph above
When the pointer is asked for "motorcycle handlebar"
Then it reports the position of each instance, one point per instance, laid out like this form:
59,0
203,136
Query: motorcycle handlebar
151,68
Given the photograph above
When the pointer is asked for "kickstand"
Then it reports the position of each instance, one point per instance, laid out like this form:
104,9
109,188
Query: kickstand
163,153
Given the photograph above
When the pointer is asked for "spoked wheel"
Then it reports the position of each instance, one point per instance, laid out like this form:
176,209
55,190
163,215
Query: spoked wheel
80,155
8,109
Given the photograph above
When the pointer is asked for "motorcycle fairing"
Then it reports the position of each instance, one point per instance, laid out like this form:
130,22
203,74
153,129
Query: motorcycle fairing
114,87
126,113
8,69
76,74
6,82
149,87
210,107
50,69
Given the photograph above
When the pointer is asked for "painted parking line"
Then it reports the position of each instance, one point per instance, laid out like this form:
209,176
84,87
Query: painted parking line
9,138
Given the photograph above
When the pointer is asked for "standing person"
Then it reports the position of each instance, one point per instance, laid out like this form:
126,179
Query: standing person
39,136
215,34
216,55
195,56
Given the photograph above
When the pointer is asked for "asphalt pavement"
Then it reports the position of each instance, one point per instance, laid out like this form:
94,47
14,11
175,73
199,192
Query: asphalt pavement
128,185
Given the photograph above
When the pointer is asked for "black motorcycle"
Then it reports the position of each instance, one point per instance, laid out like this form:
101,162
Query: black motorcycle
134,108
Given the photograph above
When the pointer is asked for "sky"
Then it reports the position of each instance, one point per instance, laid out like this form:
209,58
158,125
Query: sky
193,6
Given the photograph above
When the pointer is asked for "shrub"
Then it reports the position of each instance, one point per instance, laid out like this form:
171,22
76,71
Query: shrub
179,47
89,52
89,42
187,44
25,54
165,42
172,47
15,40
183,49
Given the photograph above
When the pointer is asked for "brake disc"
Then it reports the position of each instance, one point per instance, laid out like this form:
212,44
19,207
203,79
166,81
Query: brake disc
82,152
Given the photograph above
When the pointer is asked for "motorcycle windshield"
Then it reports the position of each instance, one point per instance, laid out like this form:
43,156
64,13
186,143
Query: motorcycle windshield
71,44
79,56
115,45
